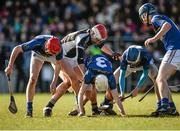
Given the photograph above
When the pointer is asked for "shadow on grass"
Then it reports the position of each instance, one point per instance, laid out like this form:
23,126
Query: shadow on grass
149,116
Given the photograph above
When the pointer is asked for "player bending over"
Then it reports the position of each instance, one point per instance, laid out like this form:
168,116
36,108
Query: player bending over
74,45
168,32
136,58
44,48
96,65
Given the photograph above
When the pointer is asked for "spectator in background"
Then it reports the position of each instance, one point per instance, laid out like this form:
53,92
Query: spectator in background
22,20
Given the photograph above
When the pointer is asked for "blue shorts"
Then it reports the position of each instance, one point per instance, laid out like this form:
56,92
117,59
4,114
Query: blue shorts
90,75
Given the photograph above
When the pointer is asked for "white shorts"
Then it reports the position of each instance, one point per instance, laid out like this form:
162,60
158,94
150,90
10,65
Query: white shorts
72,61
172,57
131,70
51,59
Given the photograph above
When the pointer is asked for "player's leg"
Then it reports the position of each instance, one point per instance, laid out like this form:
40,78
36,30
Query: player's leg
93,99
88,80
35,68
89,95
108,99
72,75
165,71
79,74
153,71
60,91
82,91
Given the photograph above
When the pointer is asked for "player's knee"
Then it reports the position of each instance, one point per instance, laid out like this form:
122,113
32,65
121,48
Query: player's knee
160,79
74,79
67,82
88,94
32,80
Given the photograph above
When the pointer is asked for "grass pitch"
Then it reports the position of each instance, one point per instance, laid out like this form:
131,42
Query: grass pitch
137,118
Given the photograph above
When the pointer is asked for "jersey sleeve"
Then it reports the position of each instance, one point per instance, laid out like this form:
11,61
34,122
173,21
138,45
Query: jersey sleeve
123,62
31,45
157,21
82,40
146,59
100,45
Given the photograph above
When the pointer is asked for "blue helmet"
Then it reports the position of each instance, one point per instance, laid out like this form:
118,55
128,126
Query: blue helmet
133,55
147,8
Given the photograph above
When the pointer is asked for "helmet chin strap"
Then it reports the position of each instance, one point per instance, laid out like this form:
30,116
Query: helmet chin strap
148,24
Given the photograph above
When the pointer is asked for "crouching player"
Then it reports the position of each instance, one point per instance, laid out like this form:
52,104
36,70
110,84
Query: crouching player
96,65
136,58
44,48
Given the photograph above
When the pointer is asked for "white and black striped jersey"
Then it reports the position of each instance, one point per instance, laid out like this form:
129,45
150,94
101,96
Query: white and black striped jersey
76,47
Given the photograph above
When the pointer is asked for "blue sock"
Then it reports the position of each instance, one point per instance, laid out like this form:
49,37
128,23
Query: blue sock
172,105
158,105
164,103
29,106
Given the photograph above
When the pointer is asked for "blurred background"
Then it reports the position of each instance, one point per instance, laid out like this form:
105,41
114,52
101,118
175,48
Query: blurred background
21,20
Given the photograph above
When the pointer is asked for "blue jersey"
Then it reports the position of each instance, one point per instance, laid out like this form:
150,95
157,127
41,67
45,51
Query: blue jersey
99,63
96,65
38,45
171,39
145,59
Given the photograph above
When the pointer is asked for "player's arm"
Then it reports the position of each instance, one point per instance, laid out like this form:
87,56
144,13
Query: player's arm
15,52
164,29
122,82
55,76
27,46
123,68
71,36
141,81
107,50
119,103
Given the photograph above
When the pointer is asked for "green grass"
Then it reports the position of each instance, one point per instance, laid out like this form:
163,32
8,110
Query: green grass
136,120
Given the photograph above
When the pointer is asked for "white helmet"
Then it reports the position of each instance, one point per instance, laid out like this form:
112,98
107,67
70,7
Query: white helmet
101,82
100,32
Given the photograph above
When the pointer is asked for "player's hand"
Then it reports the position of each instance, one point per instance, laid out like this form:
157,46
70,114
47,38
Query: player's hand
135,92
53,88
149,41
8,70
121,97
116,56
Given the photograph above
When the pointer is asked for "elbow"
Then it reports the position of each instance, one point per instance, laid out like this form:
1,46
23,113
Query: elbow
168,25
18,49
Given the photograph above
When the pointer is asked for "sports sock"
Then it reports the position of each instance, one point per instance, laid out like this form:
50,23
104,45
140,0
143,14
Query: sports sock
164,103
51,103
106,101
172,105
29,106
94,106
158,105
